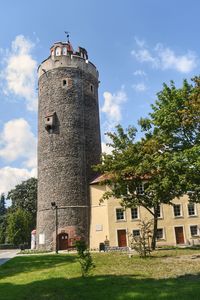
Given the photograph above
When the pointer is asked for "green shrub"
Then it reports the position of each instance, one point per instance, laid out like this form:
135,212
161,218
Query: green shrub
85,258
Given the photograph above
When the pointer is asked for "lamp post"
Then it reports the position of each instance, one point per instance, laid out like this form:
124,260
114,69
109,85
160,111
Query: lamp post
55,207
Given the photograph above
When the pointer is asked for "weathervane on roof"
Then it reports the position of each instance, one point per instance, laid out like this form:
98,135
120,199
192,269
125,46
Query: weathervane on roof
67,33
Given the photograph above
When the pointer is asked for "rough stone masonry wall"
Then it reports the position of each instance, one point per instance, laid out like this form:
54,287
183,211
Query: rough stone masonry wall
65,155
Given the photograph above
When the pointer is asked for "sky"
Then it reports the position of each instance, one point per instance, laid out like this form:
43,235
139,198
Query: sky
136,45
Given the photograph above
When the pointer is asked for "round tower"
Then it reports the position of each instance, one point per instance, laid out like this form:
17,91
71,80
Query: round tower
68,145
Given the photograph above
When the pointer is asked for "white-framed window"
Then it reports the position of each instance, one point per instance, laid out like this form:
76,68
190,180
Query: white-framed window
177,210
58,51
140,189
134,213
136,232
120,214
194,230
160,234
160,212
191,209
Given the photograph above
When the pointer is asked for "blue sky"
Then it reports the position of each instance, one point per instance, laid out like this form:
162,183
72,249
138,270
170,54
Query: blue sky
136,45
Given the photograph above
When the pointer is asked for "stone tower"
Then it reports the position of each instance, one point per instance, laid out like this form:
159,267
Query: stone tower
68,145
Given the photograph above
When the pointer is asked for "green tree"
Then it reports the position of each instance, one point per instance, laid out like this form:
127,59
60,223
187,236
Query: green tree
2,205
84,258
19,224
139,173
141,243
2,219
174,124
24,196
166,161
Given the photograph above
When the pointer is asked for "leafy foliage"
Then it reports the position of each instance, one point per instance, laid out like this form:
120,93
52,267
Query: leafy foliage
3,222
166,161
141,243
175,125
20,219
19,227
85,258
139,164
24,196
2,205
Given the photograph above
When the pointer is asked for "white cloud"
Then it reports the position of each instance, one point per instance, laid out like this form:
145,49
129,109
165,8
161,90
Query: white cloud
139,73
112,108
106,149
165,58
144,55
20,71
182,63
17,141
139,87
10,177
139,42
112,105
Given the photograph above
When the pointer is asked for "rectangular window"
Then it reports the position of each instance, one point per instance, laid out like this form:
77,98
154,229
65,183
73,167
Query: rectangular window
159,233
191,209
67,82
160,212
120,214
177,210
136,232
134,213
140,189
92,89
194,230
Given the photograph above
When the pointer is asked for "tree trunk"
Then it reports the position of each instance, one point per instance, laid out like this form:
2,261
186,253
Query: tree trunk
155,226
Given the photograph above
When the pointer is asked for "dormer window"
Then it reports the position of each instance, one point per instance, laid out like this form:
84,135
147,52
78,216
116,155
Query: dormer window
58,51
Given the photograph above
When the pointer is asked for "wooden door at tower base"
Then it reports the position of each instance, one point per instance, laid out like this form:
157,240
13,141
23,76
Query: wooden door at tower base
179,235
121,236
63,241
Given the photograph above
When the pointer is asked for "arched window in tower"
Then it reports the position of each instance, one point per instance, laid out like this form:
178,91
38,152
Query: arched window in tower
58,51
64,51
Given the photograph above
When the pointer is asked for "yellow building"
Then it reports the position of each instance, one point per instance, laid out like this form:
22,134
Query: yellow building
178,224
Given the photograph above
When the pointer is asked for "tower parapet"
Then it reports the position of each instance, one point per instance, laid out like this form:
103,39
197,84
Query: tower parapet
63,55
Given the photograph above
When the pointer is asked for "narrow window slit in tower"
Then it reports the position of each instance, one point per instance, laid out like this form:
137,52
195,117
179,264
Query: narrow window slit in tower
64,82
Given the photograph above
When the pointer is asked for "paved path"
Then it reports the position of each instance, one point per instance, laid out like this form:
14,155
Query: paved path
5,255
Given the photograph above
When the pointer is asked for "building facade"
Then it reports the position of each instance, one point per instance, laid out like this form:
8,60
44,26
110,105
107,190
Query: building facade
178,224
68,145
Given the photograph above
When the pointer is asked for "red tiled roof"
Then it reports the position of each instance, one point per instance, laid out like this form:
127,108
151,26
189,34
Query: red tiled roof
105,177
101,178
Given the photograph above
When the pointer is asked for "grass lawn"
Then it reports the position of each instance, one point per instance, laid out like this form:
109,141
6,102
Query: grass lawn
171,274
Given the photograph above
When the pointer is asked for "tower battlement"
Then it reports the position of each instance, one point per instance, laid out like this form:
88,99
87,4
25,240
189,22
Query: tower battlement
62,55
